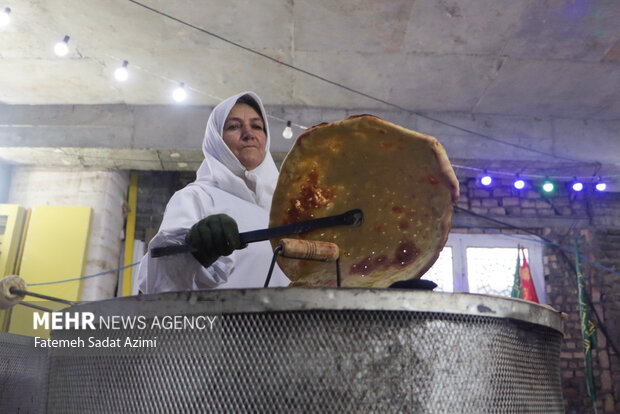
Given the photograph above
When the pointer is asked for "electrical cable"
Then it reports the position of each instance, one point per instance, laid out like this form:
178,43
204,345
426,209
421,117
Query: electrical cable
308,73
347,88
544,240
562,250
526,176
145,70
83,277
456,166
197,162
390,104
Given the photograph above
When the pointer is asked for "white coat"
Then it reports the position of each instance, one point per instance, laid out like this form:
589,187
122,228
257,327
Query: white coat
222,186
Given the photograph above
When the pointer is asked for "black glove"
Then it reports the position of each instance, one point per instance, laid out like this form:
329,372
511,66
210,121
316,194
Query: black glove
214,236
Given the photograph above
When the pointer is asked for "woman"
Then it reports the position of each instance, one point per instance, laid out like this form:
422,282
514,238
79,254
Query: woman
232,193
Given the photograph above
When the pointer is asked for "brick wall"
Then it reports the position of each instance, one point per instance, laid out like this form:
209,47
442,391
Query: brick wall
154,190
594,218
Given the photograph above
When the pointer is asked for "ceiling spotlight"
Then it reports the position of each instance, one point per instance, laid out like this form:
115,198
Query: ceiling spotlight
288,132
179,93
577,185
600,185
62,48
121,74
519,184
486,180
5,17
548,186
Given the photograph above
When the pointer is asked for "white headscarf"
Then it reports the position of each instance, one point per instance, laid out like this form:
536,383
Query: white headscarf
223,170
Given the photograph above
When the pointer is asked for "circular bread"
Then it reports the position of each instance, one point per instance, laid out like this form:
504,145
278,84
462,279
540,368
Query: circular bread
403,182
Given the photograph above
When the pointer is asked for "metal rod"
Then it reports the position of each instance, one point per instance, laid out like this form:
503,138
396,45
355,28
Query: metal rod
13,290
338,272
350,218
276,251
30,305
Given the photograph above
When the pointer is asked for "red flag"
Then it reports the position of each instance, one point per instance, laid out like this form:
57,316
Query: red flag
529,291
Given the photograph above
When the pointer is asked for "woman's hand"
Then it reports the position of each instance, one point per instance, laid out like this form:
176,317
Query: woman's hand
214,236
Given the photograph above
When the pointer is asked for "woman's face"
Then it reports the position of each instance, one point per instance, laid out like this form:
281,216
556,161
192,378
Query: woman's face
244,133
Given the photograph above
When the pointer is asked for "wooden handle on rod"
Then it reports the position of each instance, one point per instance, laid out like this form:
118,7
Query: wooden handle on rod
309,250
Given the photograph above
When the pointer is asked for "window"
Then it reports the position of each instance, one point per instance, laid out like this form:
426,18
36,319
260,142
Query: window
482,263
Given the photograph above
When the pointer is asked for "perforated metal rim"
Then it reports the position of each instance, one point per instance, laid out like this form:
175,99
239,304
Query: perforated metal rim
295,299
320,361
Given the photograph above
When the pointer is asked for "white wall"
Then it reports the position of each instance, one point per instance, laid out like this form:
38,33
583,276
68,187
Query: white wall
103,190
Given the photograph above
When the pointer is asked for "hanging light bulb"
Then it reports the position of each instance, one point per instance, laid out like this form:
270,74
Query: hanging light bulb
179,93
486,179
548,186
62,48
577,185
121,74
5,17
519,184
288,132
600,185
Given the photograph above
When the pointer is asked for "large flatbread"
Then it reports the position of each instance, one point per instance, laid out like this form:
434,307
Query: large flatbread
403,182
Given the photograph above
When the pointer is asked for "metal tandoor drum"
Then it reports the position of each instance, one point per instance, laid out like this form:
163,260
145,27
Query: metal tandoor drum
314,350
23,375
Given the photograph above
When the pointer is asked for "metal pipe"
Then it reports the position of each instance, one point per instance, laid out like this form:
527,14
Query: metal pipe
20,292
338,272
276,252
30,305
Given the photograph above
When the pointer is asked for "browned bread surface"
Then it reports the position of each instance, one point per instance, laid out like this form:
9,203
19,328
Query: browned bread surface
401,179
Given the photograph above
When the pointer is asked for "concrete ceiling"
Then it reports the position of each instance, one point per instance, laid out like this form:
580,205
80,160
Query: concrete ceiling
519,58
547,58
